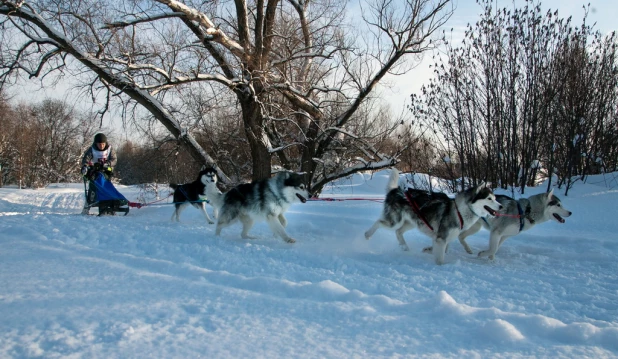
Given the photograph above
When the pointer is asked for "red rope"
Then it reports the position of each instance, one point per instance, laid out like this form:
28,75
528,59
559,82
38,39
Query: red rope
140,205
346,199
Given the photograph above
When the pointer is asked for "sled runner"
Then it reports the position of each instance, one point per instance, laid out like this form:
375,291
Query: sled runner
101,193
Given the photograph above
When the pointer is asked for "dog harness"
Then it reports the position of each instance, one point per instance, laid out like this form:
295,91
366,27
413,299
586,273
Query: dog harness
521,216
458,215
184,193
416,209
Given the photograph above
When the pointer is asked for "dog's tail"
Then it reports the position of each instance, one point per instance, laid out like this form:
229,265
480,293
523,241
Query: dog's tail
393,180
173,185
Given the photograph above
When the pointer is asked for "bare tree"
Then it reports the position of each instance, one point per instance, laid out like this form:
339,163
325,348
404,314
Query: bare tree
42,143
523,89
585,105
55,32
297,71
7,150
58,142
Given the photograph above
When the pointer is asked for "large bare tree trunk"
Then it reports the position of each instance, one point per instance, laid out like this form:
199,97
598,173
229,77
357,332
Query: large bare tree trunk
308,165
256,136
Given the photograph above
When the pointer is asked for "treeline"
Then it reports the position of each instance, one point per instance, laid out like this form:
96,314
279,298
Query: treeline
525,96
42,143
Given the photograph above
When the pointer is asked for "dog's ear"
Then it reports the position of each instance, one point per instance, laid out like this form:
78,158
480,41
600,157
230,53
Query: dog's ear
550,195
203,167
281,175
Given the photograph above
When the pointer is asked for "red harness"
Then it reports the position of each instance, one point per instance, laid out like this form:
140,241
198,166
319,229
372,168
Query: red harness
416,209
458,215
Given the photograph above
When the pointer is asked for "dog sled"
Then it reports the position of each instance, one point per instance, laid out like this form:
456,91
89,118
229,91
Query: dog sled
101,193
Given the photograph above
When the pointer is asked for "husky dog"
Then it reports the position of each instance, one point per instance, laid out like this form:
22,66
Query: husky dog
519,215
266,199
437,216
189,193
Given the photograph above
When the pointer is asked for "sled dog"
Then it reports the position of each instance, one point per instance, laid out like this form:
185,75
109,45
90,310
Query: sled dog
266,199
517,216
189,193
436,215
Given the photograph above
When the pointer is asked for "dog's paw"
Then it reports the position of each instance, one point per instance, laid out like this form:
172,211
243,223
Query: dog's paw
367,235
488,254
468,250
428,250
404,247
290,240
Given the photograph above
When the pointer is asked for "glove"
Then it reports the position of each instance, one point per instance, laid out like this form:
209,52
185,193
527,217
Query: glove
84,170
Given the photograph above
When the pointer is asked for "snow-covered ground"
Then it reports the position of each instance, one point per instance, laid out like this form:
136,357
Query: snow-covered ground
142,286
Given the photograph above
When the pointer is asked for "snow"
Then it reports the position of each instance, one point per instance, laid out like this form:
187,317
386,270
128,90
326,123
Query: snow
141,286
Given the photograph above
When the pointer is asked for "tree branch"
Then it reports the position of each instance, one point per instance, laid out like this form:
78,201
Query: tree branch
217,34
121,82
125,23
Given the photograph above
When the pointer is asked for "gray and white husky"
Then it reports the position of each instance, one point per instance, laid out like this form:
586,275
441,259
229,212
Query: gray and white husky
266,200
518,215
437,216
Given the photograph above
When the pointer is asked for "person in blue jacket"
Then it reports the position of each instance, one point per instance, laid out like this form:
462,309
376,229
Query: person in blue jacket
100,157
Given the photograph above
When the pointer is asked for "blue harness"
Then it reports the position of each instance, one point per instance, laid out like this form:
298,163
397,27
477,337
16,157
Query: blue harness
182,190
521,216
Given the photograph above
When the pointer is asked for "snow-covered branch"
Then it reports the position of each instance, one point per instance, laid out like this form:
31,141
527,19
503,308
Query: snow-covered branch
139,20
179,80
211,29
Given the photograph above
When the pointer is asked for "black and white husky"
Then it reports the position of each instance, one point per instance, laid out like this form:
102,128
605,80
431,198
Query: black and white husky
518,215
437,216
193,193
265,200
